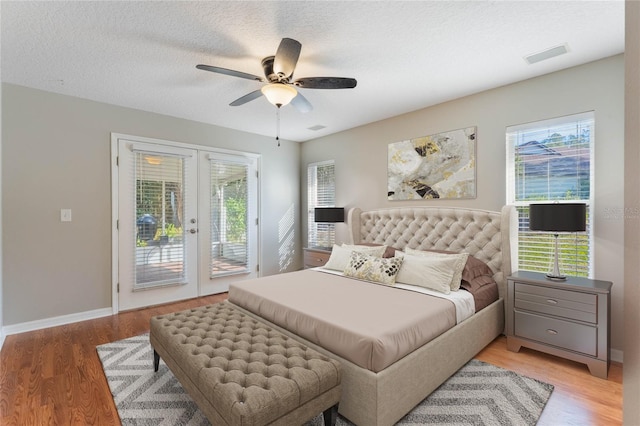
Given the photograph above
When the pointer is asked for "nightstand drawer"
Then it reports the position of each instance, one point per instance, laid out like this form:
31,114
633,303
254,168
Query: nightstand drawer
314,258
563,334
562,303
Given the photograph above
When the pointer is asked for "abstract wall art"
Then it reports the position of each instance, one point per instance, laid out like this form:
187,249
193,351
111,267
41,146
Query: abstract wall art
440,166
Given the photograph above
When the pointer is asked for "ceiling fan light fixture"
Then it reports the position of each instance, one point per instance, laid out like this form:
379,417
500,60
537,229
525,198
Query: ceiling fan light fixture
279,94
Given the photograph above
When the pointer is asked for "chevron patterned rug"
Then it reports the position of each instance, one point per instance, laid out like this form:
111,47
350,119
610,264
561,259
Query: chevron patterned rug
478,394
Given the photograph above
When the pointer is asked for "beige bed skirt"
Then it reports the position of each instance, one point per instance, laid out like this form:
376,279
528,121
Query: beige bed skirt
381,399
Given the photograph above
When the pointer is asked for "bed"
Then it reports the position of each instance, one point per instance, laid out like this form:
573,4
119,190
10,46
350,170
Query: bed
382,383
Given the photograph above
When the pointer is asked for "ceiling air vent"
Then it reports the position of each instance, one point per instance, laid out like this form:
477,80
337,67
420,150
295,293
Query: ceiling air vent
317,127
547,54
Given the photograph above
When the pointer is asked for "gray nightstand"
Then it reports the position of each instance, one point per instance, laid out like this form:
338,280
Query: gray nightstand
314,257
569,319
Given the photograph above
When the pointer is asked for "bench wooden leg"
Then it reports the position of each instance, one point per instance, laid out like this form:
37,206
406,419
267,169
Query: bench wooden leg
156,361
330,415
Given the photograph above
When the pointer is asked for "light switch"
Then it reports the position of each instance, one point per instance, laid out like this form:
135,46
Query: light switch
65,215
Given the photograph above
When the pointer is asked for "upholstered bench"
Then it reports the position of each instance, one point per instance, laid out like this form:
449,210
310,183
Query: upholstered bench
240,371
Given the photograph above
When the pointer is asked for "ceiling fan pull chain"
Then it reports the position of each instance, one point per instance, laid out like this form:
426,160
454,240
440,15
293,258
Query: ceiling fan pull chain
278,125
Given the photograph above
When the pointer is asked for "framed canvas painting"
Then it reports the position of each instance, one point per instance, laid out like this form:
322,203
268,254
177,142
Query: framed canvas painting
440,166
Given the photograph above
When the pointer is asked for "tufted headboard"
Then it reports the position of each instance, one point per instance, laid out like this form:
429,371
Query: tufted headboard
489,236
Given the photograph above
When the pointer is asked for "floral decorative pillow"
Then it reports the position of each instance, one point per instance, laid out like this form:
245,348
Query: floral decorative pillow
371,268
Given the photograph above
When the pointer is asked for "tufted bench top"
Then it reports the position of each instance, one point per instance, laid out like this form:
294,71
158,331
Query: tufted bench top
251,373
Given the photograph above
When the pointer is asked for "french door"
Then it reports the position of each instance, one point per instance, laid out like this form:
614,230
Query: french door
186,221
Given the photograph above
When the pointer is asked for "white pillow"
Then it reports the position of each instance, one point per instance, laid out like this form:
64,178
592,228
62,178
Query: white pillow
434,273
377,251
460,260
340,255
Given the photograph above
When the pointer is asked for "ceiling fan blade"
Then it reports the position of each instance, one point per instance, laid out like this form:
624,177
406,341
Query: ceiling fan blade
247,98
286,57
232,73
301,103
326,83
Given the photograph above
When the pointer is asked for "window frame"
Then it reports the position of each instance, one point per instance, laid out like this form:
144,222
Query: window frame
535,248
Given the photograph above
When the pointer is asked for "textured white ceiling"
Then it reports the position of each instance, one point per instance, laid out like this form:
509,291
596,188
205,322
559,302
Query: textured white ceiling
405,55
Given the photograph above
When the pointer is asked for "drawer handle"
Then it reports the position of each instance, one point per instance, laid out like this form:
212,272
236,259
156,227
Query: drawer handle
318,260
550,331
552,302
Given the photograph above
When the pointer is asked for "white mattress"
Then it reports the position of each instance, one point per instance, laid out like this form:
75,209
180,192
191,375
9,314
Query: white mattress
462,300
371,325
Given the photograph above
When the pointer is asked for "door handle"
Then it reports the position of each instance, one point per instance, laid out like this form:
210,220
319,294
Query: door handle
193,230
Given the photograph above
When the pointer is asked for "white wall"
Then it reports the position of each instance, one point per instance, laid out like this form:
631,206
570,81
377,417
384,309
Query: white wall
361,154
56,154
631,379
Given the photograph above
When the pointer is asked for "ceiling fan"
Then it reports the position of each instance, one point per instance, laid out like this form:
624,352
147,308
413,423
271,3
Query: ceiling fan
281,87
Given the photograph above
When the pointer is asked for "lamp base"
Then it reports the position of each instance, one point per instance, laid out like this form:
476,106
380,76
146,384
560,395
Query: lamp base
553,277
555,274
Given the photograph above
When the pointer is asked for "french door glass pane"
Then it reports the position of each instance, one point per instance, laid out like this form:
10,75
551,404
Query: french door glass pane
229,242
160,256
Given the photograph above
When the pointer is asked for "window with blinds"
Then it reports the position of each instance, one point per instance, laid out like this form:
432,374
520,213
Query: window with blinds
159,180
229,242
552,161
321,192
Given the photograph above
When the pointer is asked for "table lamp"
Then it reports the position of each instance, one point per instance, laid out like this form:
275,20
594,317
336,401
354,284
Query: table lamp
557,217
329,214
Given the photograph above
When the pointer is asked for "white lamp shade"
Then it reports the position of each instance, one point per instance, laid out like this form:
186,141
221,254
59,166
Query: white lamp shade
279,94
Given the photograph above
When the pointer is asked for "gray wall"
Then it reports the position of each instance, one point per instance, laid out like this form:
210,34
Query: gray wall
56,154
631,379
361,154
1,286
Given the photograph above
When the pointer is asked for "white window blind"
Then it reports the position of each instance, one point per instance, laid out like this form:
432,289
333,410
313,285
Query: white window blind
159,195
321,192
552,161
229,201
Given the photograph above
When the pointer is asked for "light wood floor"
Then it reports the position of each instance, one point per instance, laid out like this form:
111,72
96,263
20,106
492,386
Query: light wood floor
578,397
54,376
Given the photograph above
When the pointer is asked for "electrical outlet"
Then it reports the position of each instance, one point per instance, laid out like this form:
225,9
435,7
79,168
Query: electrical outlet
65,215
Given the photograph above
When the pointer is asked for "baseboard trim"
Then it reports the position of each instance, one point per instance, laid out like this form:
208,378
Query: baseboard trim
616,356
54,321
